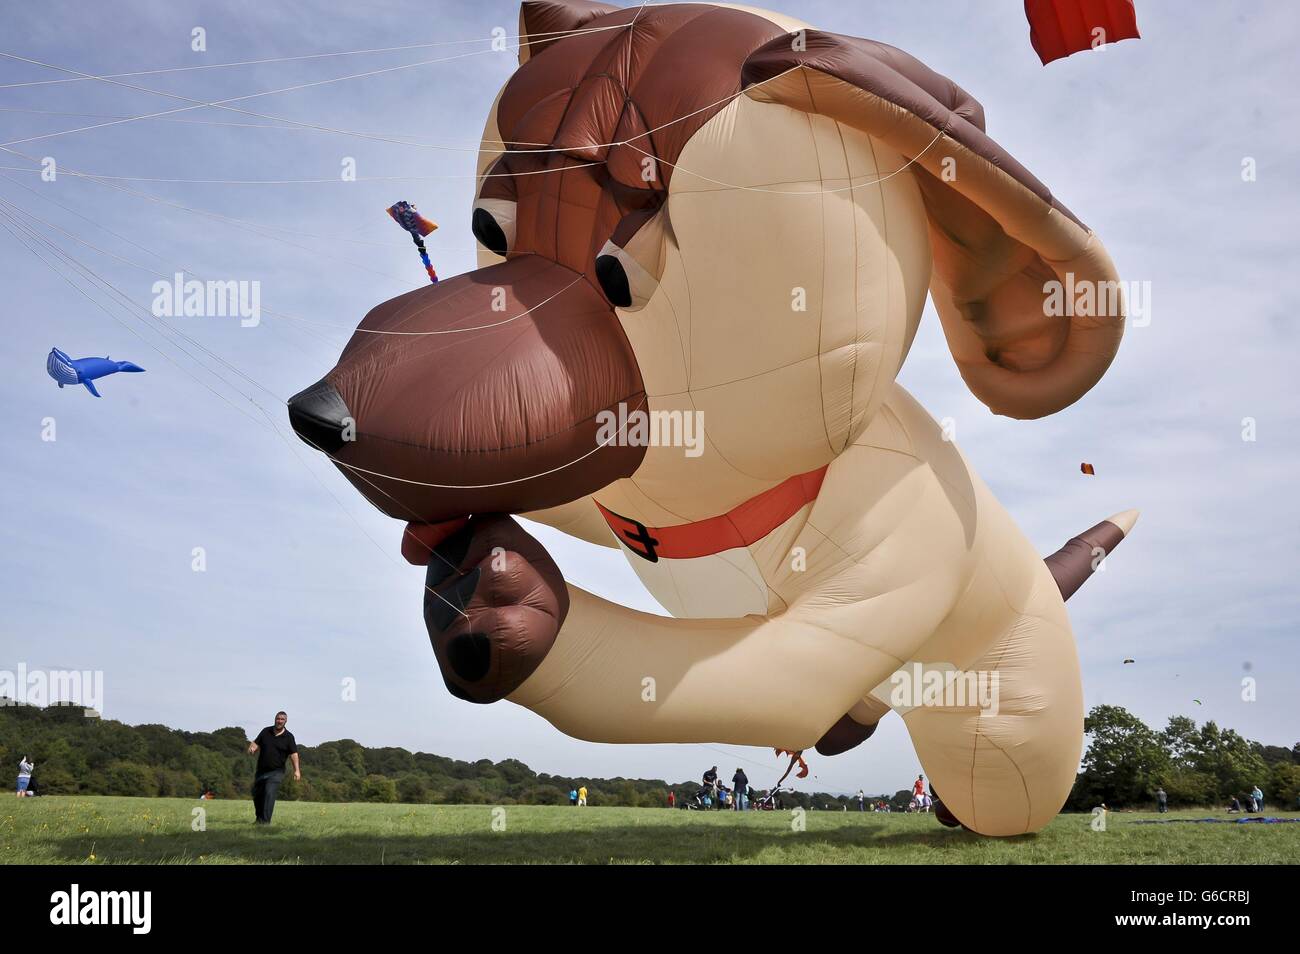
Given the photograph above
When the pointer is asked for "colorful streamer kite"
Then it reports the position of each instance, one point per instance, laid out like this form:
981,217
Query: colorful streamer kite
404,214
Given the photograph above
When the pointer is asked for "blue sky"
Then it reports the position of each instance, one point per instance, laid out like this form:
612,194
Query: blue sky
304,586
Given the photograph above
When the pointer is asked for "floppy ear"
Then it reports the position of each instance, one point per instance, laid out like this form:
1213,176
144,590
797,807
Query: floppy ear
538,18
997,234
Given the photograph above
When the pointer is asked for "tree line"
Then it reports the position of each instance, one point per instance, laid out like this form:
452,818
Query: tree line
1197,766
78,755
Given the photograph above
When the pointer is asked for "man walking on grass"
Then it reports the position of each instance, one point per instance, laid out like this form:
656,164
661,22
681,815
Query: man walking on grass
273,746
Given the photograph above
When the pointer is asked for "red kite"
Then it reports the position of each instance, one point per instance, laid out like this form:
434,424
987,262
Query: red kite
1058,28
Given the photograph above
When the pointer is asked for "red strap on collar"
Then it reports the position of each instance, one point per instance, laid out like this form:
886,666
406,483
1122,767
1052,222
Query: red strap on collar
739,527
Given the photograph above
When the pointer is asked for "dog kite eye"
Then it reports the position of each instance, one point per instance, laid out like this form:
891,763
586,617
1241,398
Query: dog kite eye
494,224
628,266
613,280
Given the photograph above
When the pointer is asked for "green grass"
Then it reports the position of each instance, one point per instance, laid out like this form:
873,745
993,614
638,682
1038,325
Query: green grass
86,830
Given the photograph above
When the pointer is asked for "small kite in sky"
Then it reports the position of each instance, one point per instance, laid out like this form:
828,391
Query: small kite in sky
1058,28
418,226
1087,469
1127,661
1198,702
66,370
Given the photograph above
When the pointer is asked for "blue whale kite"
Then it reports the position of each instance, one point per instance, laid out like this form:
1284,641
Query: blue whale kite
67,370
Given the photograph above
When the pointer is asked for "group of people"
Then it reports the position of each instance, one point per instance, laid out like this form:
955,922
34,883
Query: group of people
275,747
921,800
1251,804
1254,802
714,793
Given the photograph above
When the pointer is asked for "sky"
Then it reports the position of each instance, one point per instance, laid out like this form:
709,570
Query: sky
304,588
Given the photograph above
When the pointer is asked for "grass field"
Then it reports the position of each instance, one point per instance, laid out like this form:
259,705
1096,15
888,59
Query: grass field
77,830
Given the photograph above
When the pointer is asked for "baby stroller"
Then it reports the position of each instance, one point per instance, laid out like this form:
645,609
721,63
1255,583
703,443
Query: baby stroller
770,800
700,801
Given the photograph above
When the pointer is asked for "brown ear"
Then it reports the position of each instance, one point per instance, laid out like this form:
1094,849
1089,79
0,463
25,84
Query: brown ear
538,18
997,234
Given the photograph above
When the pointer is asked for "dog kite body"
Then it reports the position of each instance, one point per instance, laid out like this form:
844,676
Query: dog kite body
735,222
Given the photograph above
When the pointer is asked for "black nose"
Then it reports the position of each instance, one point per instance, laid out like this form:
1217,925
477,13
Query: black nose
319,416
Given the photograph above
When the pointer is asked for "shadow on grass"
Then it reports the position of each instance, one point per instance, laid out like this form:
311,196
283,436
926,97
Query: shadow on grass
617,844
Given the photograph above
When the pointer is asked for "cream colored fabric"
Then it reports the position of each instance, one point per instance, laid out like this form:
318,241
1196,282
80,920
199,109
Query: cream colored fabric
778,293
908,558
995,242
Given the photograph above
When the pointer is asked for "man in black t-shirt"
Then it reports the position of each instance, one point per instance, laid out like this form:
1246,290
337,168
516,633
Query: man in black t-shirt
273,746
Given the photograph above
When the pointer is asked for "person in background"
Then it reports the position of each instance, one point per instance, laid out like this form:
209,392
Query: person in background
582,796
24,776
1258,797
711,781
862,800
273,746
672,799
739,785
573,797
1162,801
918,789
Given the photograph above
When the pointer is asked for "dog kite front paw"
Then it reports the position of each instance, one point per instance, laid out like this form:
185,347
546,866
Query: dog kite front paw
494,602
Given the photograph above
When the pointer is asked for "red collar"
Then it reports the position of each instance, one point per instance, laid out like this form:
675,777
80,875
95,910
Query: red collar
739,527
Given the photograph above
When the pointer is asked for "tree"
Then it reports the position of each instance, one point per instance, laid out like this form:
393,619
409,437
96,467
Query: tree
57,781
377,788
1125,761
1283,791
464,793
1186,786
412,788
130,778
1181,739
177,783
1272,754
1228,758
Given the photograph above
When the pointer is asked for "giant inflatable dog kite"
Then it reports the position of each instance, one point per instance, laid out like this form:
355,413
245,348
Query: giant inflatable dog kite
704,209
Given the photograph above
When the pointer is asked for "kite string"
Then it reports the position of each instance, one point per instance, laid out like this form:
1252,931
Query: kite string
939,134
140,265
156,274
125,300
124,297
811,192
254,228
8,218
529,37
81,173
224,104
